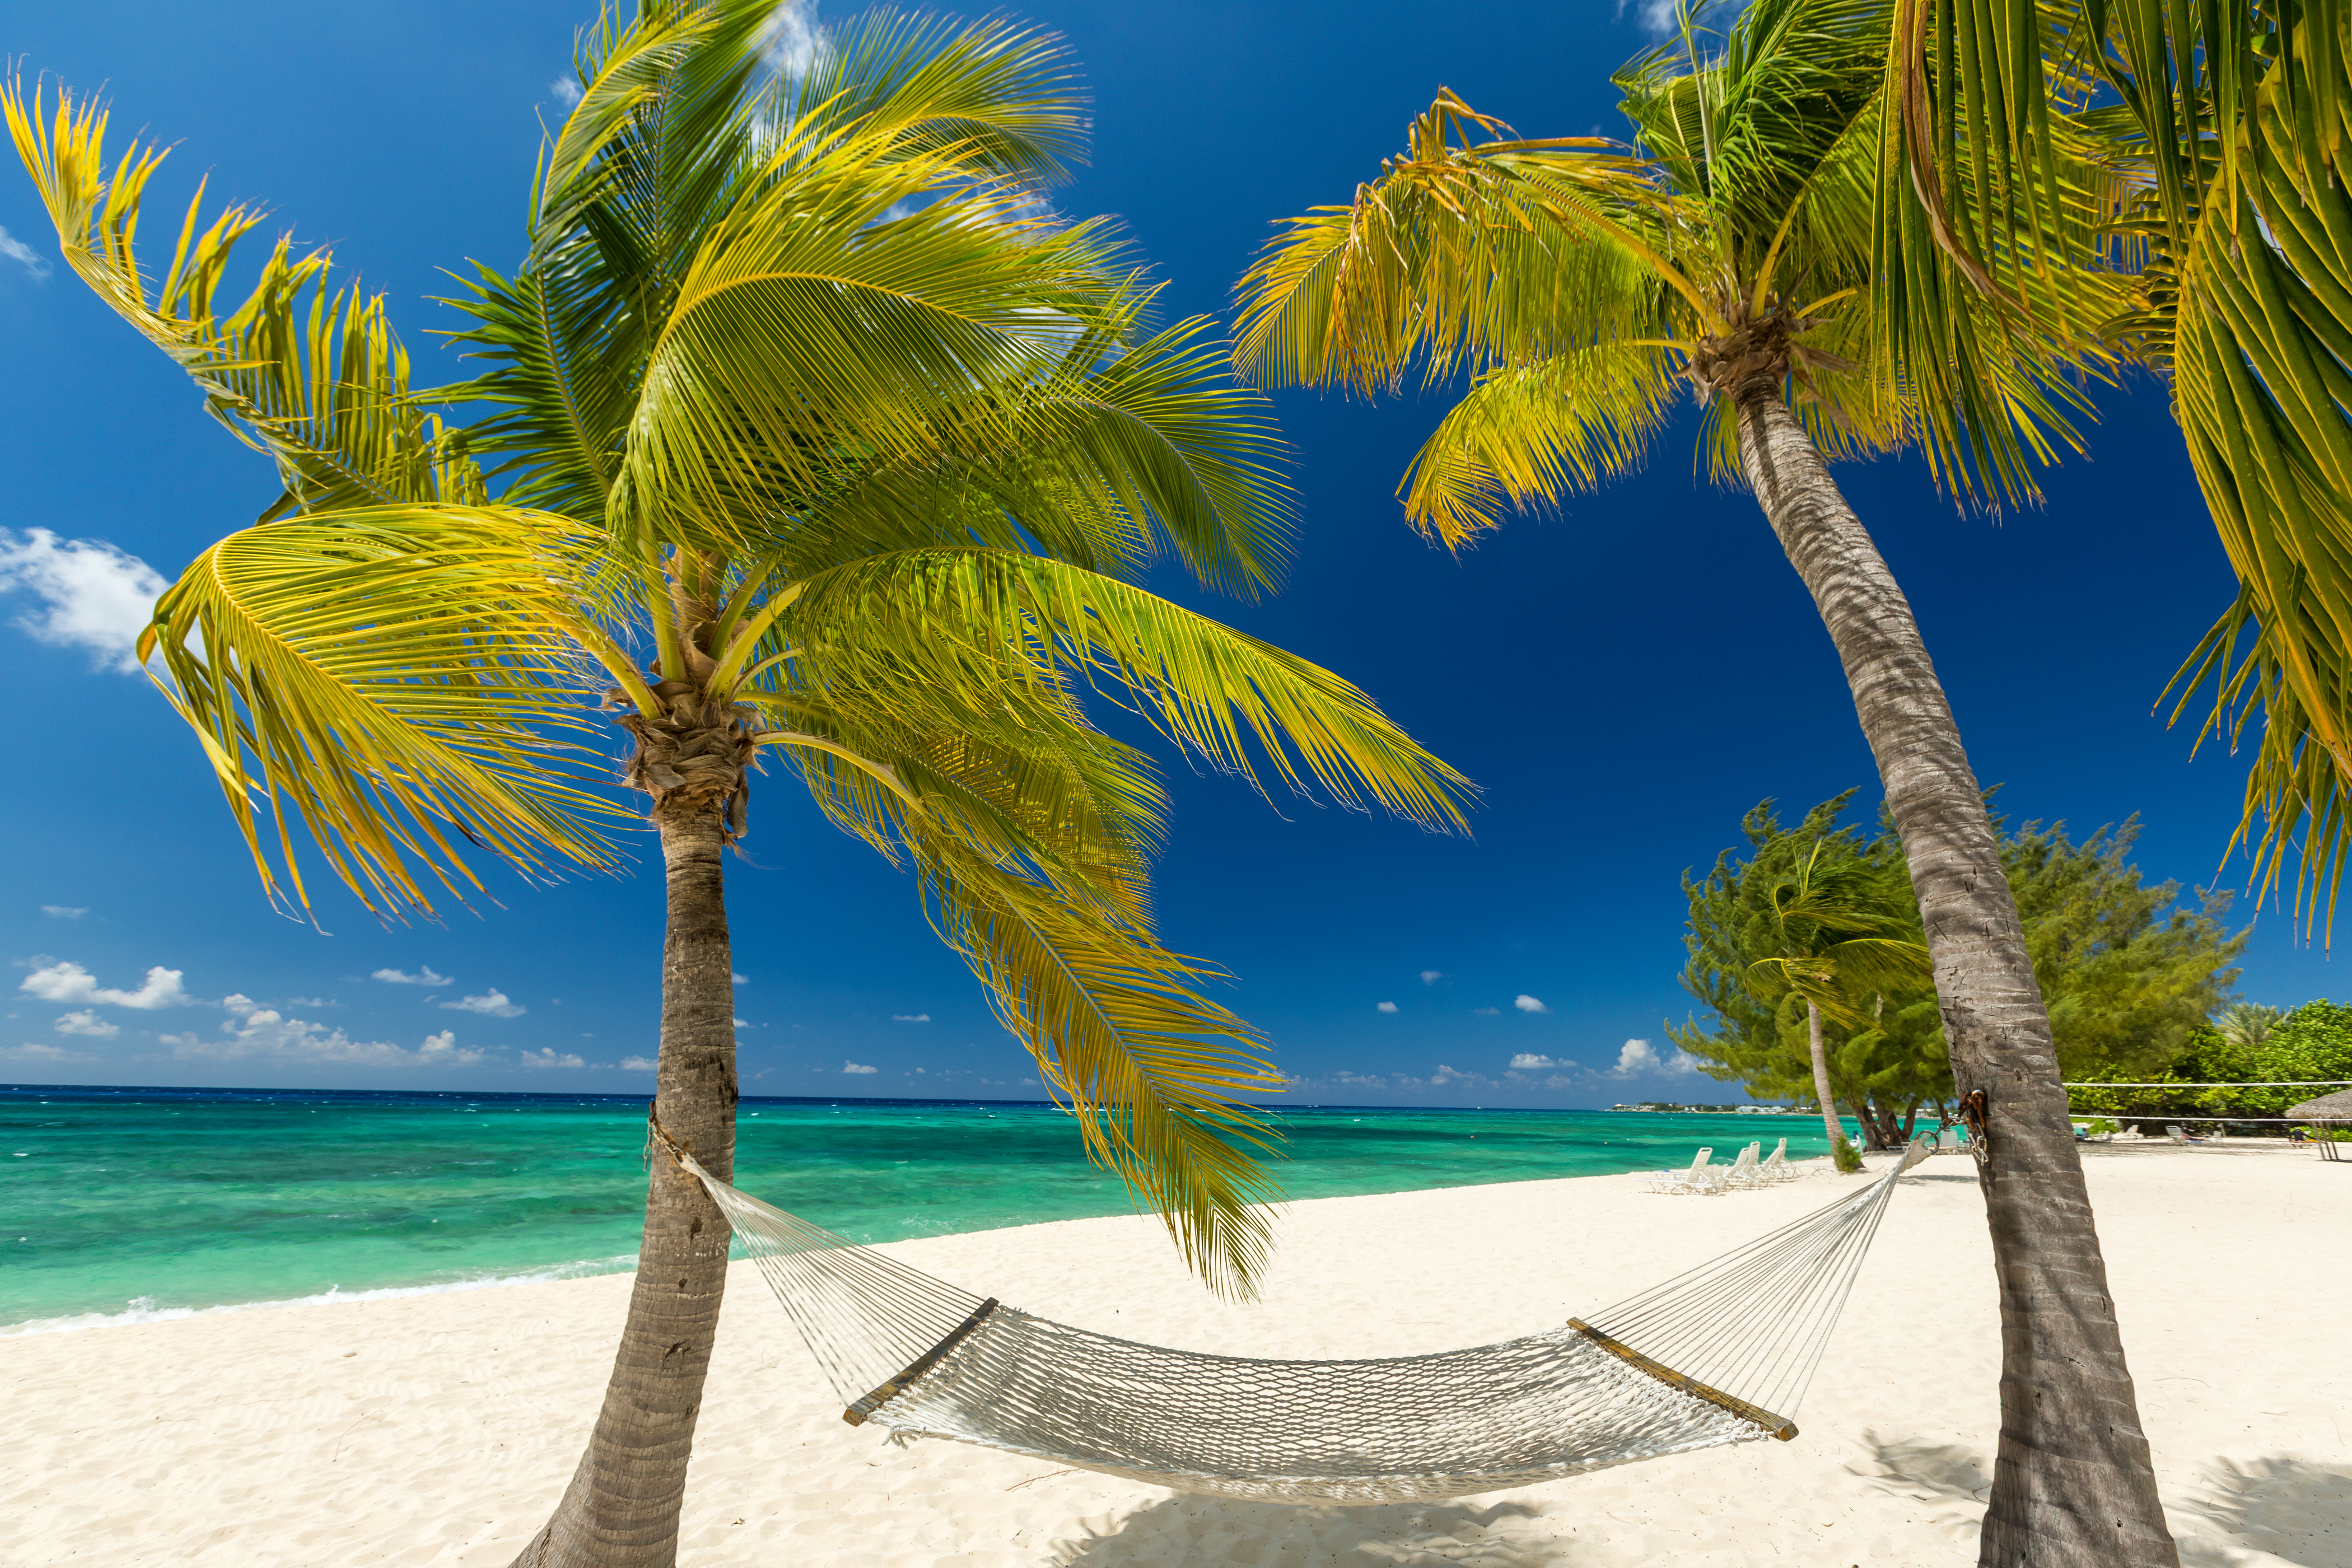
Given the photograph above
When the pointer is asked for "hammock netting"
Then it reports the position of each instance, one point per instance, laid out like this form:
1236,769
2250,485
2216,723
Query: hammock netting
1718,1355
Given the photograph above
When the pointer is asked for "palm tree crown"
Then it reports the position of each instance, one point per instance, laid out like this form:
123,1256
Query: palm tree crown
817,439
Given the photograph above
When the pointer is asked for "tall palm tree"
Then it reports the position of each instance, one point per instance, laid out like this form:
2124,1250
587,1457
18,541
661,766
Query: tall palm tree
2230,121
1840,931
1748,244
823,444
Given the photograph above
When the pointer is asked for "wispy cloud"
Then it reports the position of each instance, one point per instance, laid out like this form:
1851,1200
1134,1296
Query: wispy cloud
742,980
1657,17
34,1051
492,1002
67,982
1484,1012
1430,977
546,1057
1386,1007
910,1018
857,1066
23,256
1527,1004
94,595
638,1064
1445,1075
64,911
88,1022
792,39
566,90
423,977
1528,1061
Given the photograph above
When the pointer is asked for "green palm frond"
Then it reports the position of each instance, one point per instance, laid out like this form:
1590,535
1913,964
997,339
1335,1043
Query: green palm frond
1153,1071
1526,435
957,628
397,680
313,378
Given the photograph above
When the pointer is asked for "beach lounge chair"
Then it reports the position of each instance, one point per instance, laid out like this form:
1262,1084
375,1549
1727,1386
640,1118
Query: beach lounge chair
1690,1181
1742,1176
1775,1167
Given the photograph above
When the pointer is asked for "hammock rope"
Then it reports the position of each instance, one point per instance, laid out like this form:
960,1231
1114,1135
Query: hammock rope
1719,1354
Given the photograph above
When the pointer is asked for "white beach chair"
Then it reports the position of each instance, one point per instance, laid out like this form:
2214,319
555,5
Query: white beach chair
1742,1176
1775,1167
1688,1180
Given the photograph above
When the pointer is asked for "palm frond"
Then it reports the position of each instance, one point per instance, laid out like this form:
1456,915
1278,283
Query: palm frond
398,680
959,627
314,378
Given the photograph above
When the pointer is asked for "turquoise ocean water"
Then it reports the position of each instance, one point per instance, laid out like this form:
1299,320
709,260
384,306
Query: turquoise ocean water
123,1204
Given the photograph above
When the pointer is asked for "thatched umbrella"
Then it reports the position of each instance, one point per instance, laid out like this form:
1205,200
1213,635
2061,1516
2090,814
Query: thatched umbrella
2328,1109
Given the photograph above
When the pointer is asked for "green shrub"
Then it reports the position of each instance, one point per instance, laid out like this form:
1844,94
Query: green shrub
1848,1157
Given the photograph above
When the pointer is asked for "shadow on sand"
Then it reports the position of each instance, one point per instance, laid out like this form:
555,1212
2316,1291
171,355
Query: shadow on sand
2293,1509
1203,1529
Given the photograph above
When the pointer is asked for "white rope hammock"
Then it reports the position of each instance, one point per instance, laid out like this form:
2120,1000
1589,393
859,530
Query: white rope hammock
1719,1354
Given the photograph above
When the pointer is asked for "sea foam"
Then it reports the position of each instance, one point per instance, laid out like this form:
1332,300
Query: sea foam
143,1308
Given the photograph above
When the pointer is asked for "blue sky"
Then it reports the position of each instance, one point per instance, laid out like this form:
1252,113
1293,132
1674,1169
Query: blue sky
1623,680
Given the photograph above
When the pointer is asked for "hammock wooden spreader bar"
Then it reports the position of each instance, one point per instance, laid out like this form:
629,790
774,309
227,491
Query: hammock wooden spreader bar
1780,1427
859,1410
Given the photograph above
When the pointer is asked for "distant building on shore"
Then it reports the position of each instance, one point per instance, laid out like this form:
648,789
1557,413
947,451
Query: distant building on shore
1711,1110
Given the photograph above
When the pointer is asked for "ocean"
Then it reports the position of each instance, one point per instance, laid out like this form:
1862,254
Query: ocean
123,1204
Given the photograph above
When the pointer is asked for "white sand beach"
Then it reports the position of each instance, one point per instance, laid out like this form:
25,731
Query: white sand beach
439,1428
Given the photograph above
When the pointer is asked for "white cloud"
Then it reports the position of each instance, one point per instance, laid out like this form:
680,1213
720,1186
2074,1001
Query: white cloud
636,1064
1528,1061
1445,1074
34,1051
1655,17
742,980
566,90
63,912
23,256
1484,1012
910,1018
423,977
492,1002
792,39
545,1056
253,1030
742,1023
1527,1004
1640,1056
66,982
88,1022
1430,977
1386,1007
97,597
857,1066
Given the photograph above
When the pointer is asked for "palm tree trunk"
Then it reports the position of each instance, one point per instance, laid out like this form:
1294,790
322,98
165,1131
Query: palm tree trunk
621,1507
1822,1075
2073,1482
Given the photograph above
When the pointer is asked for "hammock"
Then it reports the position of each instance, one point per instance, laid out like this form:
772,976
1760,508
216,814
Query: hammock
1719,1354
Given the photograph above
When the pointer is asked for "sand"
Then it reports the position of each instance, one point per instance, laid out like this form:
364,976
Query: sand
439,1428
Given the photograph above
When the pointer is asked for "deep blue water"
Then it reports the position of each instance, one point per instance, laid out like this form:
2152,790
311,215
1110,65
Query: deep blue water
116,1201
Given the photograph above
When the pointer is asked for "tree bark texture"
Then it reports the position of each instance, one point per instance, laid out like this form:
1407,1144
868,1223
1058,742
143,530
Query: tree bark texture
621,1509
2072,1483
1822,1074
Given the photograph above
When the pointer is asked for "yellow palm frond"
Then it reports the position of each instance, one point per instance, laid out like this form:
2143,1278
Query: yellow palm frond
313,378
397,680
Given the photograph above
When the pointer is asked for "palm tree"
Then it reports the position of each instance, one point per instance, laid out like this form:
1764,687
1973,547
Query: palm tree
1748,244
1840,931
2247,1025
2228,120
823,444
